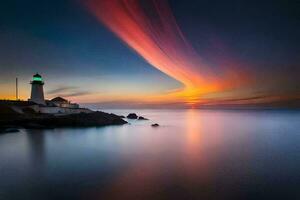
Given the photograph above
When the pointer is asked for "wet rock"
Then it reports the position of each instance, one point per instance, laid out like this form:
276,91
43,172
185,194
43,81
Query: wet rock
132,116
142,118
155,125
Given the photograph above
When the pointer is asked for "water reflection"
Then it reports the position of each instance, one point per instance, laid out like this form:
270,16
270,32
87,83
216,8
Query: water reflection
193,152
192,155
36,144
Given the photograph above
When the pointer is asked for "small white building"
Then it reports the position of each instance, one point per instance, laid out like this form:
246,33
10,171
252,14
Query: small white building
63,103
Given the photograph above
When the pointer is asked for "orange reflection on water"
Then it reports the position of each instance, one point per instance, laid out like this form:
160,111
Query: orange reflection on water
168,156
195,159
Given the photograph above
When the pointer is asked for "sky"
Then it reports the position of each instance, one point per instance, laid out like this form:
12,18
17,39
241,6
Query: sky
153,53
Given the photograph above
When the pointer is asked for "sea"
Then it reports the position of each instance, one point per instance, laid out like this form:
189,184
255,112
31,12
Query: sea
193,154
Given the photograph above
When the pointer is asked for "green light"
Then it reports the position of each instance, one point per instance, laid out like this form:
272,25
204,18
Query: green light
37,78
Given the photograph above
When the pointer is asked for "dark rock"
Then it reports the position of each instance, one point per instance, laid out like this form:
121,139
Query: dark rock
155,125
132,116
122,116
12,130
28,110
9,130
83,120
142,118
8,118
36,125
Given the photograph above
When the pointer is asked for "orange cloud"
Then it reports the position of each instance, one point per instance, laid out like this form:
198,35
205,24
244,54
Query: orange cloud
154,34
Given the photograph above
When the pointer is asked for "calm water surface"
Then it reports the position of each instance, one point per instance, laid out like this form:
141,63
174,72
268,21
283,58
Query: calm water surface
194,154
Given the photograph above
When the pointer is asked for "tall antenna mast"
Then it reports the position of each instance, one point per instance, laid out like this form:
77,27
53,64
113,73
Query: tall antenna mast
17,92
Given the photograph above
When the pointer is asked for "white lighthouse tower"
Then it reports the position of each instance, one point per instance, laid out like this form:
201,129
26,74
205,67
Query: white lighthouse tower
37,91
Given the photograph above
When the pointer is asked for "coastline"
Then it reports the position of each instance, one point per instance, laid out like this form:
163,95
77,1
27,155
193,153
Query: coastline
11,121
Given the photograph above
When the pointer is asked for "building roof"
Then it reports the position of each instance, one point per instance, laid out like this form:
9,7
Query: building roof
59,100
37,75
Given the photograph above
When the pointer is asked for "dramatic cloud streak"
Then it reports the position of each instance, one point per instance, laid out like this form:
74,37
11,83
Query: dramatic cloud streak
150,29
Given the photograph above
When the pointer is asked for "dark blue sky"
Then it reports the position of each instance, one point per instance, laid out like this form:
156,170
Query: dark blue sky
61,40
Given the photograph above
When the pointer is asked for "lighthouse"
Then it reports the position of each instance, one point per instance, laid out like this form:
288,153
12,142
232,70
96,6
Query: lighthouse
37,91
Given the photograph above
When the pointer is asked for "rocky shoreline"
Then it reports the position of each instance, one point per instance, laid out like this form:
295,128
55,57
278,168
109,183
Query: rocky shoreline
11,121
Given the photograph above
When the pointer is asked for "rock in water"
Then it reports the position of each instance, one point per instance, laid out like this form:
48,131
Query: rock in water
155,125
9,130
142,118
132,116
